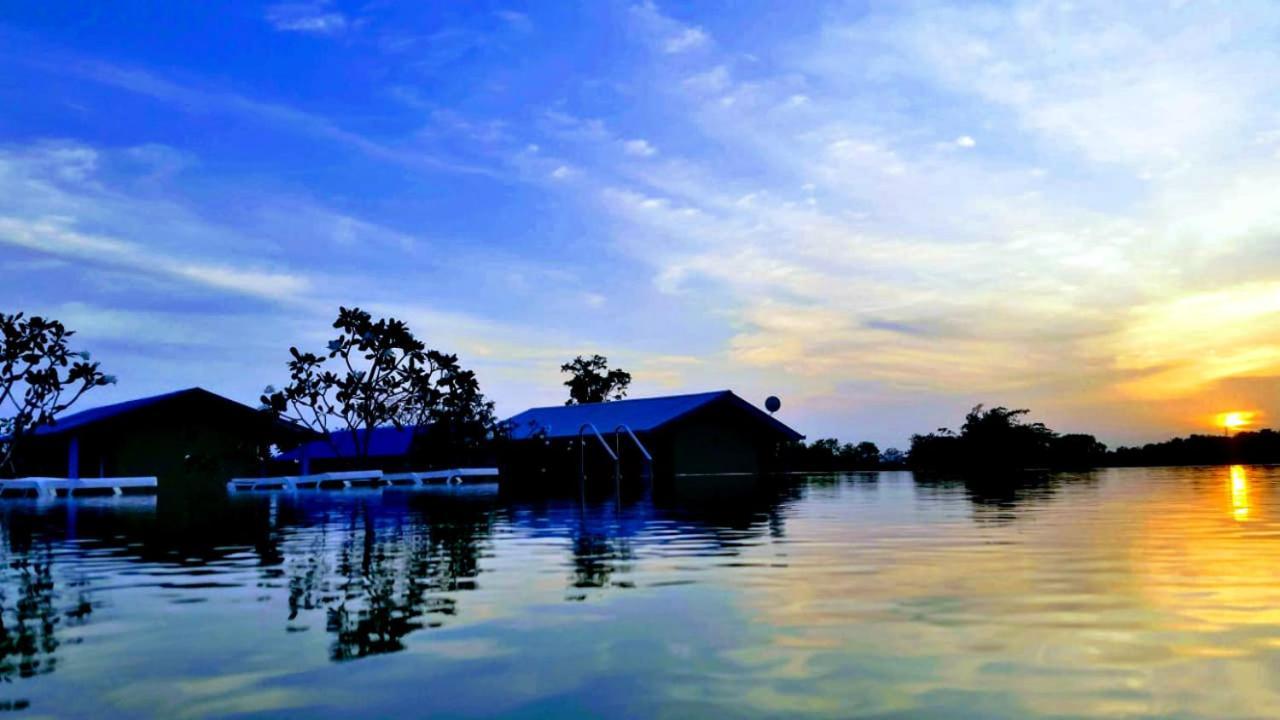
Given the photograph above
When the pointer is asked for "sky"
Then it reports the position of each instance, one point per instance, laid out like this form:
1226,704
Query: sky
882,212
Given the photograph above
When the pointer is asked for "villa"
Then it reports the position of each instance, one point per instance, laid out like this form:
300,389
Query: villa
712,433
183,437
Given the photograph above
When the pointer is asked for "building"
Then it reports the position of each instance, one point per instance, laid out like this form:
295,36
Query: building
186,437
390,449
710,433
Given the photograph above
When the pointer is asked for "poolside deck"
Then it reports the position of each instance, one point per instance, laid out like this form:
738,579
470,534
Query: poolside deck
358,478
53,487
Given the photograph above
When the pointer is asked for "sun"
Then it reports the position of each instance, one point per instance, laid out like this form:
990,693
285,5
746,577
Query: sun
1236,419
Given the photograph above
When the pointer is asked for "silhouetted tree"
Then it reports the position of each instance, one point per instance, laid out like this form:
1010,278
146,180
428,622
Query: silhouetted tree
999,439
40,377
591,380
384,376
863,455
1077,450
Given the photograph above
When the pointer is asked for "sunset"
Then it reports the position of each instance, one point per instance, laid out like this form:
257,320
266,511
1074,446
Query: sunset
640,358
1236,420
885,214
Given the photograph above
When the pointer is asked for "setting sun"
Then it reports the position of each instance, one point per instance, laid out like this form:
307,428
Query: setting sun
1236,419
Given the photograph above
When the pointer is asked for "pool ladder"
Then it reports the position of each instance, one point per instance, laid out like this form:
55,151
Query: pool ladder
614,453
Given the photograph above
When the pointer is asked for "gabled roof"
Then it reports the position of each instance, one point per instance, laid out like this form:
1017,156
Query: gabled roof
121,409
383,442
640,415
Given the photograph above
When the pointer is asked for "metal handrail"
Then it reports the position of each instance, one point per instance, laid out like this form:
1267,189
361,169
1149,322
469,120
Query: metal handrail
617,440
612,455
582,455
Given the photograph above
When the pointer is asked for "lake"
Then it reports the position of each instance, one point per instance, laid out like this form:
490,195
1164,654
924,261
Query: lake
1118,593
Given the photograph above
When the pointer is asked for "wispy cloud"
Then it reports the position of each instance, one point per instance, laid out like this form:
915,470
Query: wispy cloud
669,34
1013,275
313,18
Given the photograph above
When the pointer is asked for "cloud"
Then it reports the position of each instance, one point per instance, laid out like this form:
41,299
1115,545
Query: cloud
195,100
668,34
313,18
516,20
55,236
687,39
1045,272
639,148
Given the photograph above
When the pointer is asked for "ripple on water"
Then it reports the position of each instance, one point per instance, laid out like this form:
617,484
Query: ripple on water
1134,593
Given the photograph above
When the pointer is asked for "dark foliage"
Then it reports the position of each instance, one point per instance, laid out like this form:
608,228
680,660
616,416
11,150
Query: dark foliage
828,454
1254,448
591,380
383,376
40,377
999,439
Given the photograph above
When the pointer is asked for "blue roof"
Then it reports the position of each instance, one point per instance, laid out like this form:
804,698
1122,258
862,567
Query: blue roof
641,415
383,442
108,412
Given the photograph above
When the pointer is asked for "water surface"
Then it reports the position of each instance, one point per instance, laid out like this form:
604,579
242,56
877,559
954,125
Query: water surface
1120,593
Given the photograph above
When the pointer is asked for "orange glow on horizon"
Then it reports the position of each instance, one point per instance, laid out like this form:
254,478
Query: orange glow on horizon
1236,419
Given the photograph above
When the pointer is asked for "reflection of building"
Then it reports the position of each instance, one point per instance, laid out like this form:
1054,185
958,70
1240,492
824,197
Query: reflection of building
704,433
174,437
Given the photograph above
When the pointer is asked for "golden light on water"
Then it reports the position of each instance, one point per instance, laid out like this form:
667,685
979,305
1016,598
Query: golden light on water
1236,419
1239,493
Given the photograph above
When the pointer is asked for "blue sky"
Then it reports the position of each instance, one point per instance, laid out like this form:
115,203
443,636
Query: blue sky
882,212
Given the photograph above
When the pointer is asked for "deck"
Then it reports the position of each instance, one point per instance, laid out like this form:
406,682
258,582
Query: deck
53,487
359,478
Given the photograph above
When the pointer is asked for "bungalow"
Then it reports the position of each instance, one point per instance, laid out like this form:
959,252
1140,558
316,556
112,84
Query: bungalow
184,437
700,434
387,448
383,448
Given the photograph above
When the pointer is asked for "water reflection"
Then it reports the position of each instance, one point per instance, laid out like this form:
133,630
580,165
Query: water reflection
1121,593
1004,498
1239,493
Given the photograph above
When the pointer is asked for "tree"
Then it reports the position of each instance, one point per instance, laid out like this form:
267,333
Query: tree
893,457
384,376
592,381
40,377
863,456
999,439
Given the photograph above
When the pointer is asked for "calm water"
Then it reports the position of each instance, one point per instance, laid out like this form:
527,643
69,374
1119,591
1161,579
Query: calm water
1127,593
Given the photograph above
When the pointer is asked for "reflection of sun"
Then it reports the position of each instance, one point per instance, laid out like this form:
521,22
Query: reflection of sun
1239,493
1236,419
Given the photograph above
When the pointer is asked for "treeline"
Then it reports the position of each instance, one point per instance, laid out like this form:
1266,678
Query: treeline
828,454
990,439
1002,439
1249,448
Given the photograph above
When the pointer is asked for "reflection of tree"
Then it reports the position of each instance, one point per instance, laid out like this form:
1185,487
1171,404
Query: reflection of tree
596,557
29,616
1003,498
388,579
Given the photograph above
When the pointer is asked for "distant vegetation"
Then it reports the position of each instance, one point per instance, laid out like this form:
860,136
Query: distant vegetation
41,376
828,454
999,438
994,439
1250,447
592,381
